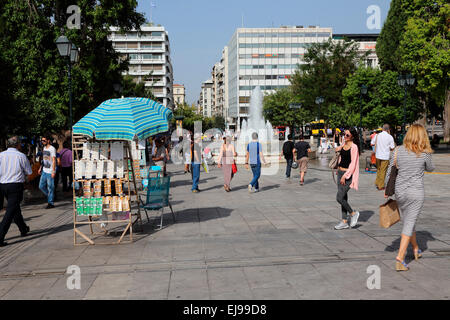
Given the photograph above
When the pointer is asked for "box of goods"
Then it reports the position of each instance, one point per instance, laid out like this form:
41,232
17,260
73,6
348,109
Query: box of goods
79,206
125,203
136,167
95,151
98,206
100,169
107,187
104,151
110,169
98,188
86,204
118,164
118,186
90,169
86,151
117,150
80,168
87,191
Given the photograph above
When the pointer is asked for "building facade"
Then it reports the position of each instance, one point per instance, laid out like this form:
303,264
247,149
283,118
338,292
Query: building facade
367,42
179,94
264,57
206,101
148,51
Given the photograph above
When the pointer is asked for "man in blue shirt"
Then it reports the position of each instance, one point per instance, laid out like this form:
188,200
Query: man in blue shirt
14,167
254,156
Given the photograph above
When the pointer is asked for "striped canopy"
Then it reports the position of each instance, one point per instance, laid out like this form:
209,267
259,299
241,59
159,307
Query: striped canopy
125,119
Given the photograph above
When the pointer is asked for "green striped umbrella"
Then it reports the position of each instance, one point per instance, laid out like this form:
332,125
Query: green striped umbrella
125,119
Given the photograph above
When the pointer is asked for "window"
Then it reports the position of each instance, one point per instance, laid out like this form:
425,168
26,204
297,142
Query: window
244,99
323,34
156,34
134,56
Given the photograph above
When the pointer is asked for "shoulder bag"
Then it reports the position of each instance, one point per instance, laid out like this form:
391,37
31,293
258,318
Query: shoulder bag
390,186
373,158
389,214
333,164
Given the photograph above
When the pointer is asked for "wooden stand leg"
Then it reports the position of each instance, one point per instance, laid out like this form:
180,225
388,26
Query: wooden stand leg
83,236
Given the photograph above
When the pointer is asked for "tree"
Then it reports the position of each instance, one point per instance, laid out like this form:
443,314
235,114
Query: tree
190,116
133,89
383,102
39,75
276,109
390,36
324,72
425,51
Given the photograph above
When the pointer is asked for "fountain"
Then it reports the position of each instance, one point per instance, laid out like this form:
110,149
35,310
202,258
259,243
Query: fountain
257,124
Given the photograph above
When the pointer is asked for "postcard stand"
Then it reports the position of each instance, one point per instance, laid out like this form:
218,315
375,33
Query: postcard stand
78,141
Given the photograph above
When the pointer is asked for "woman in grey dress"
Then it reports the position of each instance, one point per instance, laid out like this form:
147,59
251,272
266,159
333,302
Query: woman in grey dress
413,159
226,160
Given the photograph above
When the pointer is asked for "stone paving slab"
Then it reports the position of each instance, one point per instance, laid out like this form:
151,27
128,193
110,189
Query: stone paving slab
275,244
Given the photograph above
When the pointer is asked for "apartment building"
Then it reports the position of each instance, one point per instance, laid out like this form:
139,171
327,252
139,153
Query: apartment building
367,42
179,94
264,57
148,51
206,101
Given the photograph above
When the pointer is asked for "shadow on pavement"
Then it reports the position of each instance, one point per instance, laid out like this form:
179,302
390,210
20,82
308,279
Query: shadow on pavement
188,182
422,239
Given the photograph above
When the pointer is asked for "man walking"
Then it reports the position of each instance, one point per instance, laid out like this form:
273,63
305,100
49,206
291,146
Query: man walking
254,156
196,160
288,148
48,171
301,149
14,167
383,145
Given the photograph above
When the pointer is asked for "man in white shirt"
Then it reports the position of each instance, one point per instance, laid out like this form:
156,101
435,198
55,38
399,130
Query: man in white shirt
383,144
48,171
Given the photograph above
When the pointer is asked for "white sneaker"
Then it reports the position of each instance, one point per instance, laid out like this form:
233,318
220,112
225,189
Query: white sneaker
250,188
256,190
341,225
354,219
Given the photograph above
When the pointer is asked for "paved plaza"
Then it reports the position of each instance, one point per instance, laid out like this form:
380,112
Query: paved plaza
275,244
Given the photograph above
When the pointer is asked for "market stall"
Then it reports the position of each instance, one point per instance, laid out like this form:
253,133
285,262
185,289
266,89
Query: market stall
107,164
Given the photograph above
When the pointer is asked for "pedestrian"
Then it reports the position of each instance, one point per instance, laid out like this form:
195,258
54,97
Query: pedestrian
288,153
323,142
187,147
413,158
348,176
161,155
14,167
383,144
66,166
48,171
301,149
337,138
58,166
255,157
226,160
196,161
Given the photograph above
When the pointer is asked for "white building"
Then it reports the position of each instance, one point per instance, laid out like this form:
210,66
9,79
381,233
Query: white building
265,57
179,94
148,52
206,101
367,42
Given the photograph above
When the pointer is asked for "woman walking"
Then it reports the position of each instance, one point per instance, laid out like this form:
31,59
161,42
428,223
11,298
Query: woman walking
348,176
413,158
226,160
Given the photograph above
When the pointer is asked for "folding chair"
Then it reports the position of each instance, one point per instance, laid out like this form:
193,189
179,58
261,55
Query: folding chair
158,196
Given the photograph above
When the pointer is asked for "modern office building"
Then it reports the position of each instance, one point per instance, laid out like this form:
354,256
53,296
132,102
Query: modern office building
179,94
264,57
148,51
367,42
206,101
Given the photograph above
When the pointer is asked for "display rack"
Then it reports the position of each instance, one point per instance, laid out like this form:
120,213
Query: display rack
93,219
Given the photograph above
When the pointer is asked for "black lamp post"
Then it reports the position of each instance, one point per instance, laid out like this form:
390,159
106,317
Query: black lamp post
362,91
319,101
405,81
118,88
69,50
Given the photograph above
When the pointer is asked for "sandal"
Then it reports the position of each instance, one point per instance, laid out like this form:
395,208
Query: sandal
401,265
417,254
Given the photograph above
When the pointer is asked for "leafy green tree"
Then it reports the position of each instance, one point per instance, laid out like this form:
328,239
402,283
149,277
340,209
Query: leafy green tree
39,85
324,72
133,89
383,102
189,114
276,109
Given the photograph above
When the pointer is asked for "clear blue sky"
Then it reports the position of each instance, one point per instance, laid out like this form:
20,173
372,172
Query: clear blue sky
199,29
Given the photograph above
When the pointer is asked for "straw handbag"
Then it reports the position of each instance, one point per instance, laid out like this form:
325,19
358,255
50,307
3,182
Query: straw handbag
389,214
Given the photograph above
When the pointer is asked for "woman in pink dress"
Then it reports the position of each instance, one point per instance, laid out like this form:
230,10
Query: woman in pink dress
226,160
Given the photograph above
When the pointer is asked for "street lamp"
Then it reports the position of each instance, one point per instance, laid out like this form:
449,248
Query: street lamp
405,81
362,91
319,101
117,88
69,50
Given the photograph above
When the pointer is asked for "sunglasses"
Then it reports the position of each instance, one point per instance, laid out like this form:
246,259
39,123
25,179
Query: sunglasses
348,135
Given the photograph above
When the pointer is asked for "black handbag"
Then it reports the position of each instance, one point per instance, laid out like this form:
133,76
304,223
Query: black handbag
390,186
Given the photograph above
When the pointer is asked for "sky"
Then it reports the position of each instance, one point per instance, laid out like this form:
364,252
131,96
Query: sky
199,29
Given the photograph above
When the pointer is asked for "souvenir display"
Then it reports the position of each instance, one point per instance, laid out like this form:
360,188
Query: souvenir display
80,206
118,164
118,186
86,151
79,169
87,191
95,151
100,169
98,188
107,187
104,151
109,169
117,150
90,169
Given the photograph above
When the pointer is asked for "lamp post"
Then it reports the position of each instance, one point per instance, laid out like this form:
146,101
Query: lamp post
319,101
69,50
362,91
405,81
118,88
